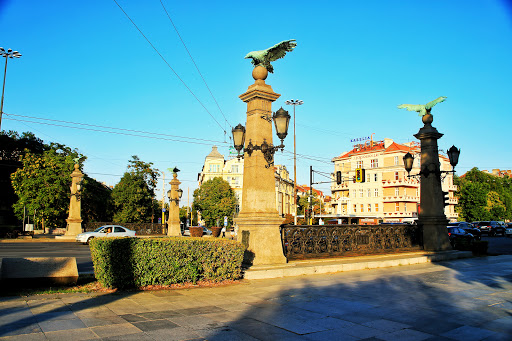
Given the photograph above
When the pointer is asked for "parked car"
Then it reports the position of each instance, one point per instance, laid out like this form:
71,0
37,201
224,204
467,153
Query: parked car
205,232
508,230
492,228
105,231
459,237
468,227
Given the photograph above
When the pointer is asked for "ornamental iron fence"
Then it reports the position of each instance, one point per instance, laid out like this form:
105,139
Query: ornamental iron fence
310,241
141,229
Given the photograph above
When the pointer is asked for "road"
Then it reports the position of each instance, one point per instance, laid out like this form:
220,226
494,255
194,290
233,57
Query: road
497,245
50,249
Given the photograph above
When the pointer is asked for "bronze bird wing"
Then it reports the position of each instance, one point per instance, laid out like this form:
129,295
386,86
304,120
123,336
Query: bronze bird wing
429,105
279,50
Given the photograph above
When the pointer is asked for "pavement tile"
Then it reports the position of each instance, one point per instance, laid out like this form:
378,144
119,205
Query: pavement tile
130,337
502,325
435,326
26,337
262,330
225,334
133,318
102,321
116,330
19,329
405,335
468,333
197,322
361,331
54,325
73,334
147,326
386,325
200,310
330,335
174,334
58,315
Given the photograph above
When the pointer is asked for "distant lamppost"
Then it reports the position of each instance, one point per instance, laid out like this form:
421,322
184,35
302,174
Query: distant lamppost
294,102
7,54
174,195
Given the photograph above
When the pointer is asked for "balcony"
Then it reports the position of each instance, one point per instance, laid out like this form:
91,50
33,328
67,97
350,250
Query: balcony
400,182
401,198
401,214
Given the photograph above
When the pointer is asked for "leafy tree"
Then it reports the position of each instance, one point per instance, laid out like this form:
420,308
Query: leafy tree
42,185
495,207
133,195
183,214
96,201
215,200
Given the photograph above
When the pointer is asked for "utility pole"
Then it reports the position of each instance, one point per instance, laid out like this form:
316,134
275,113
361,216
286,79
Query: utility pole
7,54
294,102
310,195
163,201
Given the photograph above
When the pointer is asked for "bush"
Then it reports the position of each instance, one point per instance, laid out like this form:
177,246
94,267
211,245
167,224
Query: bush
137,262
480,247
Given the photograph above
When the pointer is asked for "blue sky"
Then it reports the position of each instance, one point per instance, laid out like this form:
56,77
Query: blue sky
355,62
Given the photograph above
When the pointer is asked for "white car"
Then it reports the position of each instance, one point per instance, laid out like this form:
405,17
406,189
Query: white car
105,231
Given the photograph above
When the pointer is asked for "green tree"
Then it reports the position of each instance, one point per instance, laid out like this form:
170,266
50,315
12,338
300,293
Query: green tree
96,201
215,200
133,195
495,207
472,201
42,185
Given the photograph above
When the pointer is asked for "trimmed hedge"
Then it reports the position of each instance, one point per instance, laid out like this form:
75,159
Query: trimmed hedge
137,262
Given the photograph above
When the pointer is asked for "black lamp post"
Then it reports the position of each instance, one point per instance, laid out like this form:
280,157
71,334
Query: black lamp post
7,54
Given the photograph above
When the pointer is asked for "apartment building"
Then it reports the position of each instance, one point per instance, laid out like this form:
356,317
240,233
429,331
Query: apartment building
232,170
375,185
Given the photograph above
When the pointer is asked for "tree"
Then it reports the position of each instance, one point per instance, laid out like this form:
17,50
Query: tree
96,201
215,200
42,185
133,195
495,207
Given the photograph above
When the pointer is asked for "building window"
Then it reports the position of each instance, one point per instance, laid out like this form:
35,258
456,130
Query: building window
361,193
214,168
396,176
369,193
236,181
376,207
397,207
396,160
368,177
369,208
362,208
359,164
376,192
234,168
397,192
375,177
405,206
417,192
355,208
374,163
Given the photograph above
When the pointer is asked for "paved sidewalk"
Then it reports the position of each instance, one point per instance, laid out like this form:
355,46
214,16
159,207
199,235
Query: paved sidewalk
467,299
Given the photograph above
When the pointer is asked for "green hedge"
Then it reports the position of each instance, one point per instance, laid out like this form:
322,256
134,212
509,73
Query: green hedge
137,262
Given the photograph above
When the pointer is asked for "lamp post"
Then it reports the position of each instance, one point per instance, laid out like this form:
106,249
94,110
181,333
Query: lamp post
431,218
174,195
258,220
7,54
294,102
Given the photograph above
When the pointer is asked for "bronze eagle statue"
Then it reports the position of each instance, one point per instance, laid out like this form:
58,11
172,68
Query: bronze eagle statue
264,57
422,109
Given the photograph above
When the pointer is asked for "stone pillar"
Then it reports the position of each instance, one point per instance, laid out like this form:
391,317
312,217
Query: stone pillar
75,218
431,218
173,223
259,220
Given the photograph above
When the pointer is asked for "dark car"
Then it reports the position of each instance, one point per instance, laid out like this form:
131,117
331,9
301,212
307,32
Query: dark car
459,238
468,227
492,228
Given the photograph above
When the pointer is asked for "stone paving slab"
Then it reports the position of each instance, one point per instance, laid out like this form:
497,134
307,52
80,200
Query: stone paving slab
467,299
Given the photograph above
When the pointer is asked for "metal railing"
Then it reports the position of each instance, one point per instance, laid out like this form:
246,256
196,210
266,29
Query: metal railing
315,241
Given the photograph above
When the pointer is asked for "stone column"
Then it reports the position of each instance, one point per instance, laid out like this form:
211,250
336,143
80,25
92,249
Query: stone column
431,218
173,223
259,220
75,218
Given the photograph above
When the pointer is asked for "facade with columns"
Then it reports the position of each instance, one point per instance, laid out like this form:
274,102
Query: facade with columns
232,170
386,193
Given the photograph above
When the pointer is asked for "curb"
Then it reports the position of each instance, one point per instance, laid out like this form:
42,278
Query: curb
310,267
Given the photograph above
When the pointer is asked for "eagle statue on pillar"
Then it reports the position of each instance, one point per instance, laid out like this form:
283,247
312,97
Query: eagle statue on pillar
264,57
422,109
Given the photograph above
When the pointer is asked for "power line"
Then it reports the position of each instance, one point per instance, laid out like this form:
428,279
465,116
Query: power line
197,68
112,132
165,61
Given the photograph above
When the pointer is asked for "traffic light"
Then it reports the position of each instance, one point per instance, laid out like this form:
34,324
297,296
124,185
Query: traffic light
360,175
338,177
446,198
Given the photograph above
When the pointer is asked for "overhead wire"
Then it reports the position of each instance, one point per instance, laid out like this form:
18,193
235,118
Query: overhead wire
170,67
193,61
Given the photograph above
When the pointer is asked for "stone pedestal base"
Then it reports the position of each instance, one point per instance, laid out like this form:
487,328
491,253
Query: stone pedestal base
435,234
259,233
174,230
74,227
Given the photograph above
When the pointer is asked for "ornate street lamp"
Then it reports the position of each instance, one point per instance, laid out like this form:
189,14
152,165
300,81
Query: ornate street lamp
453,155
281,121
7,54
408,161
